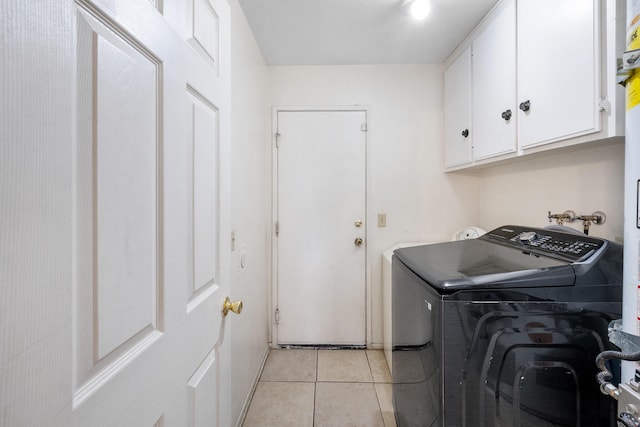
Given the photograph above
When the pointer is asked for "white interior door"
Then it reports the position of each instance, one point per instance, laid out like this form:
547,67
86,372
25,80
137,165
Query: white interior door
321,292
142,199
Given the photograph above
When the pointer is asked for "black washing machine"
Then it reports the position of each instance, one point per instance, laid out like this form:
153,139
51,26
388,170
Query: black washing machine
503,330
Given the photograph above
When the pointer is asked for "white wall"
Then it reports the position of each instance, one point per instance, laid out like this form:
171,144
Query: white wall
404,153
583,180
249,195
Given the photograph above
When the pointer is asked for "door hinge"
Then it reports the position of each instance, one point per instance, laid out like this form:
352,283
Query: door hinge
277,228
277,316
277,140
363,127
604,105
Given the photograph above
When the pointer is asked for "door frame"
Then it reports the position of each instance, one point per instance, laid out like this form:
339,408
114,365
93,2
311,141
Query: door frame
273,295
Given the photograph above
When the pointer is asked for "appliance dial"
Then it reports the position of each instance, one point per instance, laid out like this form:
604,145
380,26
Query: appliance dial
528,237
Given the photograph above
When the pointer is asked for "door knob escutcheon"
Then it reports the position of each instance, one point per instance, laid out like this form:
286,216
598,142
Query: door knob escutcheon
228,306
358,241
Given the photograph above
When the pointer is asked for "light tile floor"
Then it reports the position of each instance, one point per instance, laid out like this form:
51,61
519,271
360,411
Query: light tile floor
323,388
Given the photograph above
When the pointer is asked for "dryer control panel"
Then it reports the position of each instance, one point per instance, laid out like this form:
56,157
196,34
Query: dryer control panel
539,241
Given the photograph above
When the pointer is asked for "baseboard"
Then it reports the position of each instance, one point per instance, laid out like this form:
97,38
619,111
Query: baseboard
247,400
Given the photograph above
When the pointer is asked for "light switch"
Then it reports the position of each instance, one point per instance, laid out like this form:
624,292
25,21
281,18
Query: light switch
382,220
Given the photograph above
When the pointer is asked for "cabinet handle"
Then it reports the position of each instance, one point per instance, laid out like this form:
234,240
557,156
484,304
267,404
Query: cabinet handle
506,115
525,106
465,133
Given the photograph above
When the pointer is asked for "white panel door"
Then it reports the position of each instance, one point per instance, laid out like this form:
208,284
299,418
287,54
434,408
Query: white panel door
494,85
141,191
558,46
321,212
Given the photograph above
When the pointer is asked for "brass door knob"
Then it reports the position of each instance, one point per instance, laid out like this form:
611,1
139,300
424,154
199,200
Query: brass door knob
228,306
358,241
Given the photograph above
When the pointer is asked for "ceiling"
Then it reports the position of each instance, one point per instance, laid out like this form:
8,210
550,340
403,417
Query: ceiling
348,32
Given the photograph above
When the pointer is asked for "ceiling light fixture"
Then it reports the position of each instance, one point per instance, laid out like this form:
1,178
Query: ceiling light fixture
419,9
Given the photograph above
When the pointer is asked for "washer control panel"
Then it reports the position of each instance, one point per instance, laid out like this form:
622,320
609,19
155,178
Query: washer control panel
565,246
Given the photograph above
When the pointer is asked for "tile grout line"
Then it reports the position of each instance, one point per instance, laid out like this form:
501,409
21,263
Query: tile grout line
315,389
375,390
315,394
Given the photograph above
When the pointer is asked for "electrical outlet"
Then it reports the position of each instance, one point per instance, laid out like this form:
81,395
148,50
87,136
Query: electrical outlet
382,220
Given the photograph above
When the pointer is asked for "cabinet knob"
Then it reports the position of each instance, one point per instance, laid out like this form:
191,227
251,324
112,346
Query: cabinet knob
465,133
526,105
506,115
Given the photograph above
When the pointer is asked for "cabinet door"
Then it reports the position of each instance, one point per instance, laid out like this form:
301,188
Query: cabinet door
457,111
556,69
494,85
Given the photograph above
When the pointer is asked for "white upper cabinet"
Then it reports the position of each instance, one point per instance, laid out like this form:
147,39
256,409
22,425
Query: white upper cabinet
494,84
457,114
558,53
542,77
